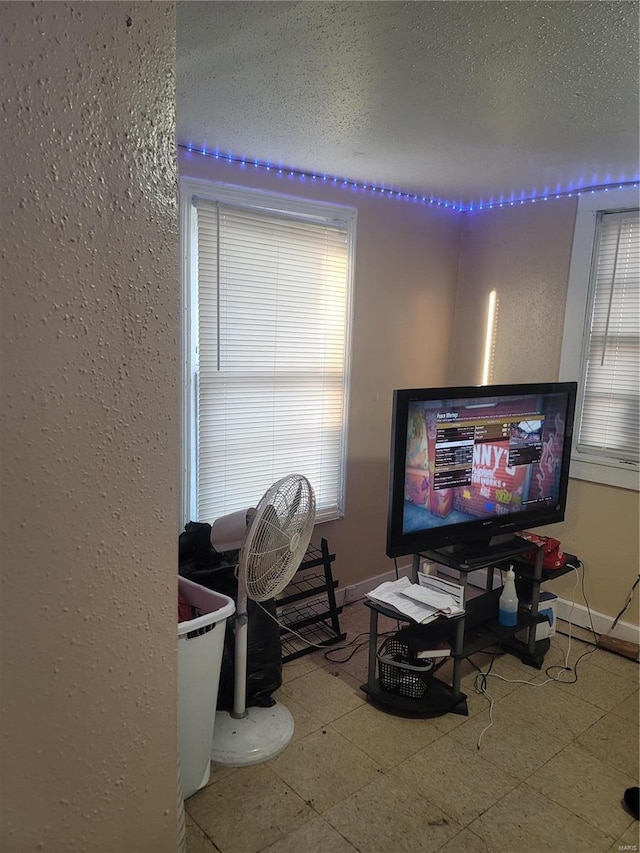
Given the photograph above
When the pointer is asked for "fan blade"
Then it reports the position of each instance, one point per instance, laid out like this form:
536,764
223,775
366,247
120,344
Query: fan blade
295,503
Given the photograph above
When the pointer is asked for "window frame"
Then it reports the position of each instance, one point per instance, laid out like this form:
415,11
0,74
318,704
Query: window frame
271,202
587,466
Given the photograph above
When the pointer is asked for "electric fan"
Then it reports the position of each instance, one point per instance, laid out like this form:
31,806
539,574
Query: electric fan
272,539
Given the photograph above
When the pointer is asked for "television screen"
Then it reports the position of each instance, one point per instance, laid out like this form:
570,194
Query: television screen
471,465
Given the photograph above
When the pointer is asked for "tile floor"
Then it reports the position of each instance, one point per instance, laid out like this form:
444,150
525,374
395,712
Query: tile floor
549,774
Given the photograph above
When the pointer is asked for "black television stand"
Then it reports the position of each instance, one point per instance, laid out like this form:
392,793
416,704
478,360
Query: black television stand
477,629
481,628
470,556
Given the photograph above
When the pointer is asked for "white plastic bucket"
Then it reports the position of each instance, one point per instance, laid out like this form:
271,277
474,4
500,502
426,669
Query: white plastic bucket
199,664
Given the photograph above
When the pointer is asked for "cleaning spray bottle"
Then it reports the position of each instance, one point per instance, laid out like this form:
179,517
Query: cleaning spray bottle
508,604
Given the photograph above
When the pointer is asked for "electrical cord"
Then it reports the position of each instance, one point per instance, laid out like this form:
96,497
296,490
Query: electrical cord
566,668
480,681
291,630
323,646
626,605
334,649
591,628
346,646
480,686
584,597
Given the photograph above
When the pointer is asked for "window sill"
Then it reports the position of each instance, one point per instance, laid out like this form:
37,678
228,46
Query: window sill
607,475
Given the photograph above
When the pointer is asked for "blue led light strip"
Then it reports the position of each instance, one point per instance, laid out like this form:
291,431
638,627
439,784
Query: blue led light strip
390,192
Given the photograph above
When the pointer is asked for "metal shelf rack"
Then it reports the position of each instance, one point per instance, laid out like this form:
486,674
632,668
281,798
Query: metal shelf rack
308,605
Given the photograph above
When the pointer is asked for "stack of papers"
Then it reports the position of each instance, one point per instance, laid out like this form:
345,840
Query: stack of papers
423,602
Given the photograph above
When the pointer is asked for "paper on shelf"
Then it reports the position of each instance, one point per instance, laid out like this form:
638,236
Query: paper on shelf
443,586
390,593
439,601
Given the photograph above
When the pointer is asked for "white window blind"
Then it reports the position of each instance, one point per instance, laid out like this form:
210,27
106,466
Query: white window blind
609,419
273,295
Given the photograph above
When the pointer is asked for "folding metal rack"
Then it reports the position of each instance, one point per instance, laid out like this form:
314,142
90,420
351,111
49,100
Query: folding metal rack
308,605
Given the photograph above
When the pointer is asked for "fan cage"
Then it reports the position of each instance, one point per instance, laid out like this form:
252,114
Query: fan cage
278,537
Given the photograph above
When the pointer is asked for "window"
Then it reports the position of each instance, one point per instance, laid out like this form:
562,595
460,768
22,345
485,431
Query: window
267,319
601,344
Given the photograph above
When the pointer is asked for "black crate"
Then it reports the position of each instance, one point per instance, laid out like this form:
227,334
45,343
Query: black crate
401,671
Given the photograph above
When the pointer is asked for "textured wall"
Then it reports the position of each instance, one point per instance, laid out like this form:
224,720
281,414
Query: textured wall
404,293
524,253
89,427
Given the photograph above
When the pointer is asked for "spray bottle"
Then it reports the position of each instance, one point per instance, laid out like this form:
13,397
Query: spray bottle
508,604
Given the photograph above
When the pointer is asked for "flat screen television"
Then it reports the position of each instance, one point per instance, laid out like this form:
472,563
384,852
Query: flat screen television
472,466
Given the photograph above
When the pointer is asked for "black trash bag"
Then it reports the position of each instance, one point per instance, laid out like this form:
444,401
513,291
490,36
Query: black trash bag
202,564
194,545
264,658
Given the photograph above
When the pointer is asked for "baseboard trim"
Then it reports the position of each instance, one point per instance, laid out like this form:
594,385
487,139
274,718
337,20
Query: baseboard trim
576,614
358,590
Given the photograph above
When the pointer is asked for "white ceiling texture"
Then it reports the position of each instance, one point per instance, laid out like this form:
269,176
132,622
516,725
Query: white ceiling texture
466,101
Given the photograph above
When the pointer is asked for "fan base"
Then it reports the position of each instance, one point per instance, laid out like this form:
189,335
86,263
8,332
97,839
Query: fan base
259,736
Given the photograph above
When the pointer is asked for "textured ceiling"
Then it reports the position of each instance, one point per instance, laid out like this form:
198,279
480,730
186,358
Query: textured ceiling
463,100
